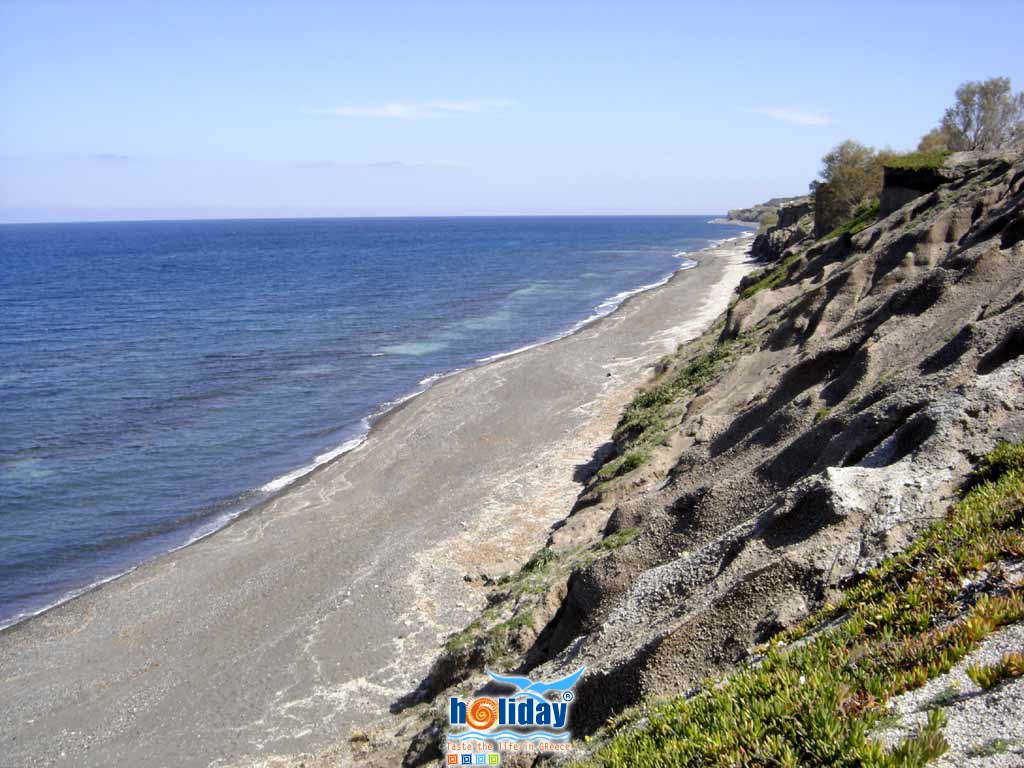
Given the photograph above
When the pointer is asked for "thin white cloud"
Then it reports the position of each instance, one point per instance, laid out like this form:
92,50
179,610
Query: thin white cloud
415,111
794,116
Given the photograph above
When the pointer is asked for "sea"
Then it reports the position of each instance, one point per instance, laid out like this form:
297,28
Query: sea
157,379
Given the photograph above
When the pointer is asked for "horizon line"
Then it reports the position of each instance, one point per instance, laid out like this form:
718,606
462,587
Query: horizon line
171,220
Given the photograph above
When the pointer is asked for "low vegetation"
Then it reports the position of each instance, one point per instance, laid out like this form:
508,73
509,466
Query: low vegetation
1007,668
769,277
499,635
985,115
861,219
645,420
492,637
821,688
619,539
918,161
623,464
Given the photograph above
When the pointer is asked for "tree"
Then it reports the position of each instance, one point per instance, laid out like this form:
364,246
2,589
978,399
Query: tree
851,176
936,140
986,115
854,173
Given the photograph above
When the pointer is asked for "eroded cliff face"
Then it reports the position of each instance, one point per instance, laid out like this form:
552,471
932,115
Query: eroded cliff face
817,427
871,378
874,374
794,226
867,382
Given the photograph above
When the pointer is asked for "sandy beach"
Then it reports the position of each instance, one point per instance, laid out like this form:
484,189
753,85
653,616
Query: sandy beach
316,611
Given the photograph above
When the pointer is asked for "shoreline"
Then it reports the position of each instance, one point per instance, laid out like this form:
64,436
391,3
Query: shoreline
284,482
339,586
737,223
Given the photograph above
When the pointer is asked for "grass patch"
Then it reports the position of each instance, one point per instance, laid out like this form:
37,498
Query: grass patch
769,277
643,420
632,460
918,161
478,645
821,414
1009,667
464,639
1006,457
618,539
487,638
538,561
861,219
624,464
532,578
818,701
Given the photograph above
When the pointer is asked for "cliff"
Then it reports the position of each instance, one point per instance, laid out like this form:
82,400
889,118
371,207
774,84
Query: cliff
846,405
762,213
760,490
794,225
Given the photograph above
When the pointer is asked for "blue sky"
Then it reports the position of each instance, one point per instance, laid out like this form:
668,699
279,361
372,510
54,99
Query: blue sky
156,110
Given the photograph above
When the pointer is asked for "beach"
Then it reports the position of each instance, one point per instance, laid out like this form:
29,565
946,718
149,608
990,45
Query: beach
316,611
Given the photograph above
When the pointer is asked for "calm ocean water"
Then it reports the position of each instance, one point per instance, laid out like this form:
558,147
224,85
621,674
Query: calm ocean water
159,378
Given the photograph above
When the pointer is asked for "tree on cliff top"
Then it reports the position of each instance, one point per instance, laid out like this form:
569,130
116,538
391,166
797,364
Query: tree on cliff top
986,115
936,140
853,172
851,176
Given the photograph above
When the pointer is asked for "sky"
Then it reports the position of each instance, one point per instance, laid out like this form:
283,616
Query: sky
140,110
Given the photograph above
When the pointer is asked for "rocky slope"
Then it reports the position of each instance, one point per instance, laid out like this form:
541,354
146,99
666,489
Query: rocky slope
873,374
794,225
818,427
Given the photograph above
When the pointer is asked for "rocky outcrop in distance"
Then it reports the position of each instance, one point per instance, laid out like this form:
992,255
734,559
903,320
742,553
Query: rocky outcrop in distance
758,214
794,226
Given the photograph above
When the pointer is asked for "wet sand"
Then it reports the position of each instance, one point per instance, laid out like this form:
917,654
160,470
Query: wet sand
312,614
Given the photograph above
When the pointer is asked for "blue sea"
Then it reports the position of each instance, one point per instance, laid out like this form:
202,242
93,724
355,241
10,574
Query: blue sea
159,378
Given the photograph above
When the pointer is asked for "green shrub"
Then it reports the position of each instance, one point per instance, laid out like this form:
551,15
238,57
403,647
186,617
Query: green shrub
770,277
631,461
851,175
1005,457
539,561
862,218
643,421
1007,668
619,538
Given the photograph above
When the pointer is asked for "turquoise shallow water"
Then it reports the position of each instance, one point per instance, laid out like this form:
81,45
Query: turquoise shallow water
161,377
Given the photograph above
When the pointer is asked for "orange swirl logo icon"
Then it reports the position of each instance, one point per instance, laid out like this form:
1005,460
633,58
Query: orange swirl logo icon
482,713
